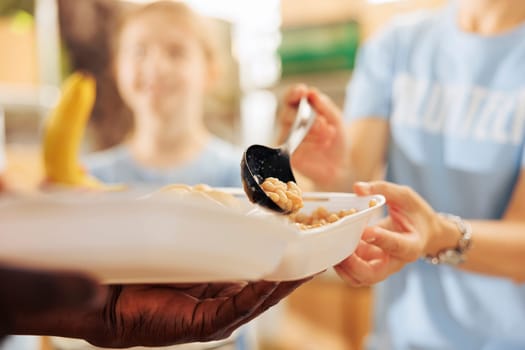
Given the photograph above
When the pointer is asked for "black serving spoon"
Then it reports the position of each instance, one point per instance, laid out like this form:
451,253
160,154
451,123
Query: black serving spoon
260,162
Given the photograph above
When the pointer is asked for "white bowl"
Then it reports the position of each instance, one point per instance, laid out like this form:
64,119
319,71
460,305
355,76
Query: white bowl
121,239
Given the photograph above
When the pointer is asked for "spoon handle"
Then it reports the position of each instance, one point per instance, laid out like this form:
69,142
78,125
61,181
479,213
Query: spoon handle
303,122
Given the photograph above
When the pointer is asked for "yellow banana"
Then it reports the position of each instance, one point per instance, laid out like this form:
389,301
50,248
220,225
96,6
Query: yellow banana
63,132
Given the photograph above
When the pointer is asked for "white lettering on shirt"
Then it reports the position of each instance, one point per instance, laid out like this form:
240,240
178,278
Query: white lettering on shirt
407,110
467,112
519,120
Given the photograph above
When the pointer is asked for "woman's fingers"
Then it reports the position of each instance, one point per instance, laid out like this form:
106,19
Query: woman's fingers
396,195
321,131
294,94
347,277
399,197
354,268
288,109
324,106
368,251
405,247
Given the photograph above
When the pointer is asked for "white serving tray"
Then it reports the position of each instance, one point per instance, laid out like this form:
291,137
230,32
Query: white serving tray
126,238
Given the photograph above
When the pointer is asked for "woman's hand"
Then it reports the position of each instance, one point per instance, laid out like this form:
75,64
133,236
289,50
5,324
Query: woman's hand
411,230
322,154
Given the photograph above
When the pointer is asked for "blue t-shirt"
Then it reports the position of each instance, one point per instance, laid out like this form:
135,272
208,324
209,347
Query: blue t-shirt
455,103
218,165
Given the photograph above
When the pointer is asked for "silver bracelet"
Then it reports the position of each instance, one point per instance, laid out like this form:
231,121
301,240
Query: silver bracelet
454,256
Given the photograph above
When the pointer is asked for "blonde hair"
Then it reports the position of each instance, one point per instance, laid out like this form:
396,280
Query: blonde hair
182,15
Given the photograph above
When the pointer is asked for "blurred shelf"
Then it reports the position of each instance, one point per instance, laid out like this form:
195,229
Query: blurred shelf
24,107
319,48
312,12
28,98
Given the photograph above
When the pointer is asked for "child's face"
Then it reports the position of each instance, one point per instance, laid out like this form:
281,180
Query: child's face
161,66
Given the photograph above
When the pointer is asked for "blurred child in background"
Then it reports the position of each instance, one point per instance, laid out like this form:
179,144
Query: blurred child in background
165,63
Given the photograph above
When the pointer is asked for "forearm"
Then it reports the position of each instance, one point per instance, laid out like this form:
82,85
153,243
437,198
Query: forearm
70,324
498,248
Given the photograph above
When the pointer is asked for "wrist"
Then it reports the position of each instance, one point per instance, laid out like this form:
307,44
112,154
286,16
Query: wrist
444,250
81,324
445,236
